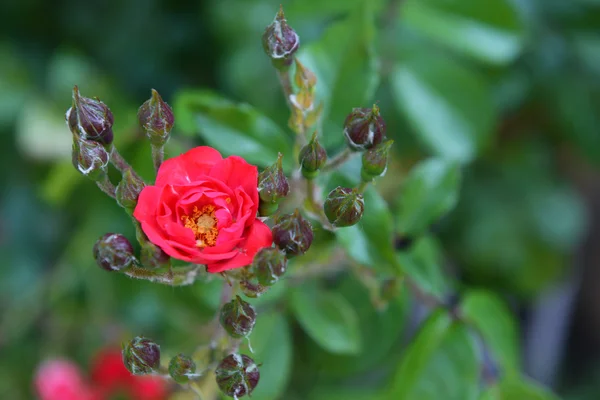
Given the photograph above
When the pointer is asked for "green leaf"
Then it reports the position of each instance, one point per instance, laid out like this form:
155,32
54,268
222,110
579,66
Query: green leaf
489,31
328,319
370,242
441,362
430,190
423,263
233,129
515,389
272,344
490,316
346,68
448,105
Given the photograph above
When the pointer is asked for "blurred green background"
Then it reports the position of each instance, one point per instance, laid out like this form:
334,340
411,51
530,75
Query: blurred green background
509,89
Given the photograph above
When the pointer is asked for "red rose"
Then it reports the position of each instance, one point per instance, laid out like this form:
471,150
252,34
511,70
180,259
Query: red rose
202,209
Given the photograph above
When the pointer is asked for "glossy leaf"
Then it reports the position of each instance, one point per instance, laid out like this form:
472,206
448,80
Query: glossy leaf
233,129
489,31
327,318
430,190
448,105
439,363
346,67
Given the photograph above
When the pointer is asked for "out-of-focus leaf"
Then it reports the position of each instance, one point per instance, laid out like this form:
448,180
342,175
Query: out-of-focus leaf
440,361
449,106
490,316
423,263
327,318
515,389
489,31
233,129
346,68
272,345
338,393
370,242
430,190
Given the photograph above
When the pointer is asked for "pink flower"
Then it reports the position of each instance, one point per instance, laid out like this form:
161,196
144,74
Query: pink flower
61,380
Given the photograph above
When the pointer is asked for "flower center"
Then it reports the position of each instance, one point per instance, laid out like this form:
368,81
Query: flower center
204,225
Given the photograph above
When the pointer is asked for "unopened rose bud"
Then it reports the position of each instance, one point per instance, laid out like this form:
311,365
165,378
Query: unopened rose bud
269,265
90,159
156,118
113,252
280,42
181,367
237,375
344,207
141,356
272,187
252,289
312,158
364,128
238,318
152,256
374,161
90,119
293,234
128,190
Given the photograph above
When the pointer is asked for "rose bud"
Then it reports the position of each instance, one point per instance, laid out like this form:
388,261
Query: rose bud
90,119
141,356
237,375
113,252
364,128
152,256
252,289
312,158
90,159
272,187
156,118
181,367
280,42
128,190
374,161
293,234
269,265
238,318
344,207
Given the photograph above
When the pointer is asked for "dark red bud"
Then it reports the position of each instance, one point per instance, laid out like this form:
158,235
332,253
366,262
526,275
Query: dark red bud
128,190
344,207
238,318
293,234
375,160
237,375
90,158
364,128
141,356
113,252
156,118
280,42
181,367
312,158
272,187
269,265
90,119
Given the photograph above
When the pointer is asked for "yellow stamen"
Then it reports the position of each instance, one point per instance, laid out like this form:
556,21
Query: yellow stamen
204,225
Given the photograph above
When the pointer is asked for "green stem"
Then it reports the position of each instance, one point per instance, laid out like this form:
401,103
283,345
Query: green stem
362,186
314,205
158,156
286,85
165,275
106,186
338,160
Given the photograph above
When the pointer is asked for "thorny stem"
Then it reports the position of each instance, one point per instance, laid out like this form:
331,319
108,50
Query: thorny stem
158,156
315,206
286,85
166,275
106,186
120,163
338,160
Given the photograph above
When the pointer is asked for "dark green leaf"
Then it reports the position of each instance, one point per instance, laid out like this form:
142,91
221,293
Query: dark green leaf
423,263
430,191
490,316
448,105
233,129
489,31
441,362
327,318
346,68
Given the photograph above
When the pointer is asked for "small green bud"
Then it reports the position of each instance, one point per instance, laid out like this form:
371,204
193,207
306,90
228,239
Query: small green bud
280,42
272,187
153,256
374,160
156,118
238,318
141,356
90,159
269,265
237,375
344,207
113,252
364,128
90,119
293,234
252,289
128,190
312,158
181,367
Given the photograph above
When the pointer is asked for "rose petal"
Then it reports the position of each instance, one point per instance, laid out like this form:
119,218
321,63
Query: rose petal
188,167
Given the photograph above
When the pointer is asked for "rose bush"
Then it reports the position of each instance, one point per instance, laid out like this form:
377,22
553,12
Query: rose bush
202,209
